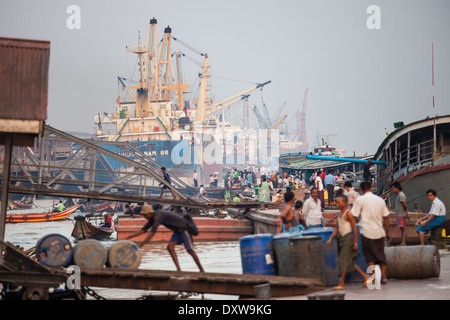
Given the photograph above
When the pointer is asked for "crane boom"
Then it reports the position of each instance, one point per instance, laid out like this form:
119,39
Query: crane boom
260,118
125,87
276,124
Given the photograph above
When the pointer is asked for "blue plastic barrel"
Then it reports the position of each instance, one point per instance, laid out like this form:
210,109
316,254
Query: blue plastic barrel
54,250
257,254
280,244
330,254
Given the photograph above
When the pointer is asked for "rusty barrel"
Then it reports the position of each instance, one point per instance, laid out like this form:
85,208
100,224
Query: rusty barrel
90,254
412,262
54,250
124,254
306,258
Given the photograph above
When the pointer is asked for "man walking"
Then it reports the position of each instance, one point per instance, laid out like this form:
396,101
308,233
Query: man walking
330,182
174,222
372,211
167,178
401,210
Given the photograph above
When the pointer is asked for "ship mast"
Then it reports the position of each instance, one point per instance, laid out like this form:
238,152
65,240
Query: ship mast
143,108
201,107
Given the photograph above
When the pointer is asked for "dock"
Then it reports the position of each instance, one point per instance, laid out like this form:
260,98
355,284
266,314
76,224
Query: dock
242,285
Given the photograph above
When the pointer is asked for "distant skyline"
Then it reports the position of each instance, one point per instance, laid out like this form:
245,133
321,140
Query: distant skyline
360,80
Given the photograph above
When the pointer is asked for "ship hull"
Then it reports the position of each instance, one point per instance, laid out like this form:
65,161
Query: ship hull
415,186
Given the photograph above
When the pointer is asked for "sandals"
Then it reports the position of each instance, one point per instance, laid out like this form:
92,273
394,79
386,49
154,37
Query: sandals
339,287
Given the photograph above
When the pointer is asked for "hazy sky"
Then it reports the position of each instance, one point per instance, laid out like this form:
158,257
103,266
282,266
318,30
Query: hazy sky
360,80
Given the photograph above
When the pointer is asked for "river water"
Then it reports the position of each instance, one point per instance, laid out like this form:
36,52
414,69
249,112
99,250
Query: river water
221,257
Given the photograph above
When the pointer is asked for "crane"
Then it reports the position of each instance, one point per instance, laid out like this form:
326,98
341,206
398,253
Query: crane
276,124
125,87
262,122
301,124
201,109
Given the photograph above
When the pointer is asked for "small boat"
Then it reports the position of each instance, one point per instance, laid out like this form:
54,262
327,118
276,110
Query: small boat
85,228
21,204
41,217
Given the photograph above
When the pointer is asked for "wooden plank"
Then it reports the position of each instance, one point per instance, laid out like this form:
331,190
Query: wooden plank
216,283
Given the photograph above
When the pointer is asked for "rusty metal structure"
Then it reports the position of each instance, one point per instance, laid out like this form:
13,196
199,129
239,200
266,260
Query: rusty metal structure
23,100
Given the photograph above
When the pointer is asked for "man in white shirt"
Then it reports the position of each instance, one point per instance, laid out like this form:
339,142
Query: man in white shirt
312,210
372,211
435,217
319,185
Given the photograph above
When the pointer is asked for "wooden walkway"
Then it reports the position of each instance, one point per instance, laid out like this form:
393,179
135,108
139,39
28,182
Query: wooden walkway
214,283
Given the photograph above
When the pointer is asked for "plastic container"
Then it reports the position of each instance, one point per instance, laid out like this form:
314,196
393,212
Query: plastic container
257,254
306,258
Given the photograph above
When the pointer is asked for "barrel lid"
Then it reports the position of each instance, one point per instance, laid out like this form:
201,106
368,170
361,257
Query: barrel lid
287,235
54,250
257,236
307,237
318,230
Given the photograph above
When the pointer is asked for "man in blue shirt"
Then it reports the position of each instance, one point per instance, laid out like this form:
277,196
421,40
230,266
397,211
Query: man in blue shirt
329,181
167,178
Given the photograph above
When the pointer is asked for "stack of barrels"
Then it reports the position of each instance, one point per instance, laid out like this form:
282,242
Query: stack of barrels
55,250
304,254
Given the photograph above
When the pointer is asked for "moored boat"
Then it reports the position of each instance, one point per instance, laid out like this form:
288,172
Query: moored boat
210,229
84,228
417,156
41,217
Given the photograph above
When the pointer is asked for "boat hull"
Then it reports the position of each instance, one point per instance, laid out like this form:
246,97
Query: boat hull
84,230
210,229
41,217
415,188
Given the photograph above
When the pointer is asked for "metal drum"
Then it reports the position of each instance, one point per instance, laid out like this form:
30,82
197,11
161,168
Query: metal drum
257,254
90,254
124,254
330,254
412,262
280,244
306,258
54,250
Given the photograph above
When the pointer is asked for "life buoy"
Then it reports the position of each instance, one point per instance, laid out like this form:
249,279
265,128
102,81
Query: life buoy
25,218
47,216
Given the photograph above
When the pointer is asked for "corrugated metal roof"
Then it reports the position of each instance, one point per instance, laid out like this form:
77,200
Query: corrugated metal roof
24,68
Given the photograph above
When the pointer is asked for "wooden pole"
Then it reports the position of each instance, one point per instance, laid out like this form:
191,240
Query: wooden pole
5,183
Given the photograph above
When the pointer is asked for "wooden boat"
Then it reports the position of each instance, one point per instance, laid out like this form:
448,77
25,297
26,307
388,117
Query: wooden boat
110,206
41,217
84,228
211,229
20,204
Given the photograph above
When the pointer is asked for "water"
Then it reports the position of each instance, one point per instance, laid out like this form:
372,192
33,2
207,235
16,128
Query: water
220,257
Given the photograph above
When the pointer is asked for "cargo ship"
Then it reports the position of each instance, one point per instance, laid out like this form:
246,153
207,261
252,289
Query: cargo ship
154,115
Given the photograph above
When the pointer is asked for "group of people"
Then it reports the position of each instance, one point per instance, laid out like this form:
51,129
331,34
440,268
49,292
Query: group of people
371,212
